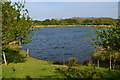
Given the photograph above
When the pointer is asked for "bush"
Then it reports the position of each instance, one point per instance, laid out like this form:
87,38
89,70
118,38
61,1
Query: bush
79,73
72,62
69,72
13,56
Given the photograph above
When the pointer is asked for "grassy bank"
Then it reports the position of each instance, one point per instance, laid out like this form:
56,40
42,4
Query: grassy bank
73,25
34,68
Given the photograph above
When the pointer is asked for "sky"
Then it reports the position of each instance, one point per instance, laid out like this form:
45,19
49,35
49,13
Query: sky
68,0
49,10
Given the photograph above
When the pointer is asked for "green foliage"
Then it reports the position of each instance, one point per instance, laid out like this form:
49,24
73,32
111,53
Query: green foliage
16,27
69,72
77,21
108,41
107,38
99,53
14,56
16,23
87,72
79,73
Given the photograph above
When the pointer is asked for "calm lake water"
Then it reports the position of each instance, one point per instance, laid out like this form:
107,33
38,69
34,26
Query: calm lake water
61,43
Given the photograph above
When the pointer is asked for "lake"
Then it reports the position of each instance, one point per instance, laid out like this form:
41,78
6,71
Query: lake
61,43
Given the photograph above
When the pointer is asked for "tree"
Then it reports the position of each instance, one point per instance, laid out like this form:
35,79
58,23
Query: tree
108,39
16,23
16,27
99,55
54,22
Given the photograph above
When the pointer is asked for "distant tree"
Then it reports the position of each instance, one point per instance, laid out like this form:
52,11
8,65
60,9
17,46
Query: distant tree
77,21
54,22
37,22
47,22
71,21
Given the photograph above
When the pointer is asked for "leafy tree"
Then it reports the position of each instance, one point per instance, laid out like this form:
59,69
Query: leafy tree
99,54
16,26
16,23
108,39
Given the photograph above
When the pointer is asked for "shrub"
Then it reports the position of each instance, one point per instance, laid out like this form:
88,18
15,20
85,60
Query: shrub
14,56
69,72
86,62
72,62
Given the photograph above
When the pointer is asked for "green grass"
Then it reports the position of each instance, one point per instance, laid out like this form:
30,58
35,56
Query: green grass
101,72
32,68
45,69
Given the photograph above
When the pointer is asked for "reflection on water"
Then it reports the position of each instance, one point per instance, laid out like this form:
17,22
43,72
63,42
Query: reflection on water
60,43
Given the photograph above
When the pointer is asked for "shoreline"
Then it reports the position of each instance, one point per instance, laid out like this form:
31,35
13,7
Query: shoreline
42,59
36,59
73,26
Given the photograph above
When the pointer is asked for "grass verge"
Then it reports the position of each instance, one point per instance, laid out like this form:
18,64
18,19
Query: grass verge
34,68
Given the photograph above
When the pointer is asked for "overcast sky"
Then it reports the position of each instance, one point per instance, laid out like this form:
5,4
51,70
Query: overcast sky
48,10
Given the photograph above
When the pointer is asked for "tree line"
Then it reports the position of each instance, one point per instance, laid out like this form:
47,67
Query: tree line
77,21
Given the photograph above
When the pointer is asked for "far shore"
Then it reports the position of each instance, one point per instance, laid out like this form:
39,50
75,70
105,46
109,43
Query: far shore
73,26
